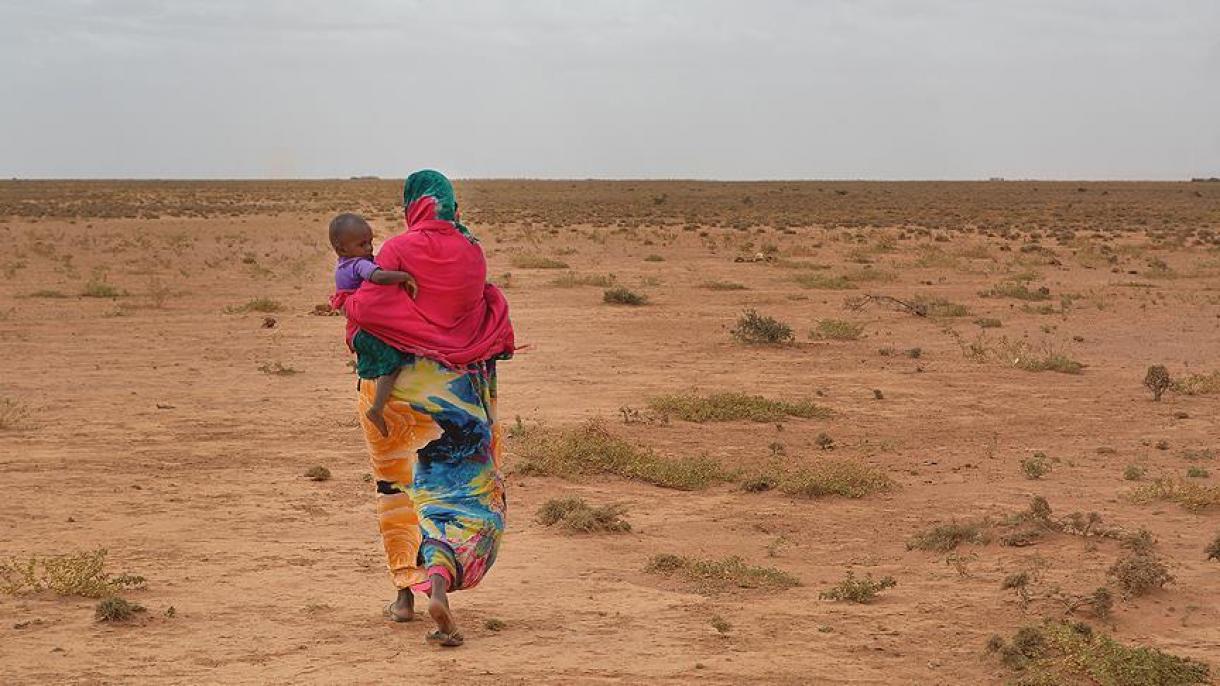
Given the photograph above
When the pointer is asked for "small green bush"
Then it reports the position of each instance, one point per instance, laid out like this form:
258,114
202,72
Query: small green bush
853,590
755,329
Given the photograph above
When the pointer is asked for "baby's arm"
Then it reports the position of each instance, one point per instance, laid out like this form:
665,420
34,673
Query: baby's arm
387,277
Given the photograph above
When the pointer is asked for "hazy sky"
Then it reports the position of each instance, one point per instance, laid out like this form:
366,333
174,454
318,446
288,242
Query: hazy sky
613,88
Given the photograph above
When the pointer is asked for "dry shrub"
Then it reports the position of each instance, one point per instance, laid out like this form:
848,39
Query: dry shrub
725,407
1157,380
1192,496
1198,384
591,449
577,515
116,609
719,575
1213,550
621,295
757,329
1061,652
1018,291
317,473
836,330
939,307
945,537
1139,573
853,590
78,574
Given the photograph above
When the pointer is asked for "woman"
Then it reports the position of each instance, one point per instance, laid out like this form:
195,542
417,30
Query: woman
440,495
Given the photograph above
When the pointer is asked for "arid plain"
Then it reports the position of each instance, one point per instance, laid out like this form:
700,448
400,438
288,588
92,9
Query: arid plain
943,386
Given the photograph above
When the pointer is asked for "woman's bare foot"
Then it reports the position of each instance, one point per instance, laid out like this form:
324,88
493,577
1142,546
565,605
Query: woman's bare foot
403,607
446,634
377,417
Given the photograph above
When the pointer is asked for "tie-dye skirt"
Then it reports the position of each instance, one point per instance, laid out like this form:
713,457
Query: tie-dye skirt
440,495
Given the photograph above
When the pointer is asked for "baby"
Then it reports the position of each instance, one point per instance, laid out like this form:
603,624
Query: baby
352,238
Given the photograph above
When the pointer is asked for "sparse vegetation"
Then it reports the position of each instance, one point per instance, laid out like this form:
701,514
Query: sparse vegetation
727,407
846,478
824,282
853,590
277,369
266,305
572,280
1192,496
317,473
1018,291
756,329
836,330
591,449
13,414
719,575
939,307
77,574
97,287
1140,572
722,286
116,609
988,323
493,624
1213,550
575,514
943,538
1061,652
1157,380
1198,384
1036,466
1134,472
620,295
537,262
720,624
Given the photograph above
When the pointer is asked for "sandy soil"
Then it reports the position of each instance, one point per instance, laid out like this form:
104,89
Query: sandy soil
153,433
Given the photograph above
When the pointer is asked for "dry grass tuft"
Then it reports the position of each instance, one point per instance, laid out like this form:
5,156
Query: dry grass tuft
722,286
853,590
720,575
847,478
620,295
836,330
13,414
591,449
575,514
116,609
726,407
256,305
943,538
537,262
1198,384
572,280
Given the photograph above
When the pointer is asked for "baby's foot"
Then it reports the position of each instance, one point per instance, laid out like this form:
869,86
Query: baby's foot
377,418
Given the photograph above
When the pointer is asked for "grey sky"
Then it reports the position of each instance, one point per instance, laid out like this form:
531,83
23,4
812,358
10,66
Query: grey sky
614,88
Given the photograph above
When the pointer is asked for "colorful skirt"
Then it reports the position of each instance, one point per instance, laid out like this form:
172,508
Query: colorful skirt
440,495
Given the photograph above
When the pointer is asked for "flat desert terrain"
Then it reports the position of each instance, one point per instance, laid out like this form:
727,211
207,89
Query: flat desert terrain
955,415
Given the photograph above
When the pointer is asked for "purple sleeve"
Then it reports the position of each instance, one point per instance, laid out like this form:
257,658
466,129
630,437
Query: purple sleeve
365,269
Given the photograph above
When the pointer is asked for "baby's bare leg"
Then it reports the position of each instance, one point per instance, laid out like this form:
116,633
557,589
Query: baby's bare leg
383,387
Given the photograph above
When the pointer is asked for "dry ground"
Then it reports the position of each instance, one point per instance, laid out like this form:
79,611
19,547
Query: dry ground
152,427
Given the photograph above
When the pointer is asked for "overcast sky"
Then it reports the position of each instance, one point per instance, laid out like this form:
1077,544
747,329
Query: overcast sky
902,89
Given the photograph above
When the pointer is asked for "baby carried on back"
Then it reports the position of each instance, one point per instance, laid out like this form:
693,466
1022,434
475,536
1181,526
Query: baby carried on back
455,316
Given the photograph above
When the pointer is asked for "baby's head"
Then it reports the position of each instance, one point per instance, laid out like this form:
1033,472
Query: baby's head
351,236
